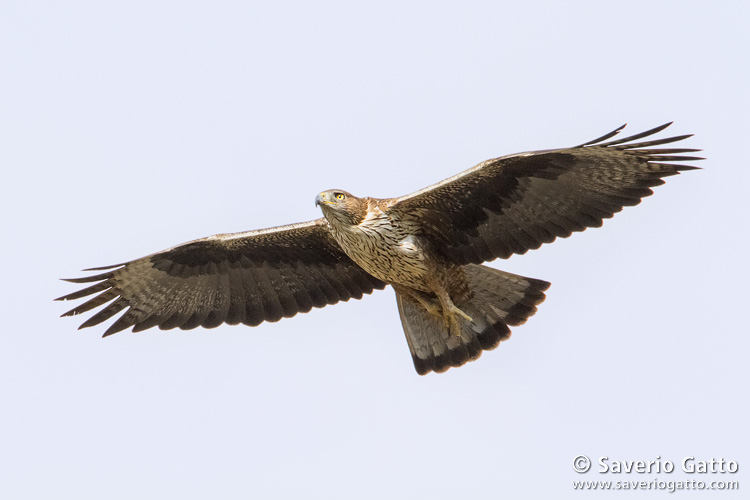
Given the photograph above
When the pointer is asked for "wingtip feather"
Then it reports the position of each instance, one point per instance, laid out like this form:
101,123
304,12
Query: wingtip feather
89,279
104,268
605,136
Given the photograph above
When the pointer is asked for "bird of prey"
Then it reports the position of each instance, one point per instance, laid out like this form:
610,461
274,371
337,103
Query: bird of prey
428,245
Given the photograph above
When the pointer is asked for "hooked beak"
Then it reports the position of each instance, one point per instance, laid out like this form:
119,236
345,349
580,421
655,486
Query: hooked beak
321,199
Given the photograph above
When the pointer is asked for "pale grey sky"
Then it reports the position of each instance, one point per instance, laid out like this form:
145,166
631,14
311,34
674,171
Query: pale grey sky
128,127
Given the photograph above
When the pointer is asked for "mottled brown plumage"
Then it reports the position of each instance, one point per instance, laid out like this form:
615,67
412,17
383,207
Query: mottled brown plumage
426,245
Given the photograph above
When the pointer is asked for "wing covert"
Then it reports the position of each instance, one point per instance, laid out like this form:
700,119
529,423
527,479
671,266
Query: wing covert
516,203
247,278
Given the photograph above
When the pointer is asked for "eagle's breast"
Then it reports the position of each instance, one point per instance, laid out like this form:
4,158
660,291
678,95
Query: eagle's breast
385,248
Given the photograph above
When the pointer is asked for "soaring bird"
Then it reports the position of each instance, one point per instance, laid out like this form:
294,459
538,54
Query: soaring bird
427,245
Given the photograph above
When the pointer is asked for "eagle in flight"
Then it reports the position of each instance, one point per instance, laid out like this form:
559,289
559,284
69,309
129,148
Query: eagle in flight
429,246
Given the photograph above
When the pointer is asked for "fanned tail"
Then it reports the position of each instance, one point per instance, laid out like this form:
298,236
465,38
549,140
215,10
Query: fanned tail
497,300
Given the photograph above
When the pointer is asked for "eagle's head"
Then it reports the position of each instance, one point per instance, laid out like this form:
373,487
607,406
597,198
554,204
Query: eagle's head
341,208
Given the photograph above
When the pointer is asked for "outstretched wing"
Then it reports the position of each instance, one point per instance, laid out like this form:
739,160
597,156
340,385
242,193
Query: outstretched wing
245,278
516,203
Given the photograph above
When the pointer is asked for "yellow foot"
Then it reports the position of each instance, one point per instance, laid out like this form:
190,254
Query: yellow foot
451,319
456,311
454,327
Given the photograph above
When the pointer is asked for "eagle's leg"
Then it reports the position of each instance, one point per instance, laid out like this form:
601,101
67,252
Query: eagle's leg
451,312
429,304
425,300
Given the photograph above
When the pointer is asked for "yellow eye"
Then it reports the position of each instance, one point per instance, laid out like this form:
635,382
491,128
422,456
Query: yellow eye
339,196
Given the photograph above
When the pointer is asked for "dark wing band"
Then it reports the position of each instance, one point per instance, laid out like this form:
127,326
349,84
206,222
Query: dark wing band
228,278
516,203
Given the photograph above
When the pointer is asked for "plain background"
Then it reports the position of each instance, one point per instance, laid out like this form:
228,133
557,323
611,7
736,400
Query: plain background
129,127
